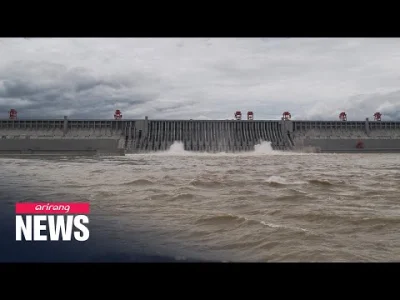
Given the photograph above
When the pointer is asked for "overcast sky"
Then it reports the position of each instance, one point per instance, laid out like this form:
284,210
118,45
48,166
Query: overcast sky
200,78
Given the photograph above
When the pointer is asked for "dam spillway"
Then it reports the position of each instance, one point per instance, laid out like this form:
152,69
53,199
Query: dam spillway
118,137
207,136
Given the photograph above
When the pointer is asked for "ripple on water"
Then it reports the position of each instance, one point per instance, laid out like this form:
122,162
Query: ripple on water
138,182
239,207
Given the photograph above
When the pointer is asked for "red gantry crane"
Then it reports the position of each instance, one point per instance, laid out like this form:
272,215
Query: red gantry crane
377,116
238,115
13,114
286,115
343,116
117,115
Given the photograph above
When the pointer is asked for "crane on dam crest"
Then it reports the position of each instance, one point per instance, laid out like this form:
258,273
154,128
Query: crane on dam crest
238,115
343,116
286,116
377,116
117,115
12,114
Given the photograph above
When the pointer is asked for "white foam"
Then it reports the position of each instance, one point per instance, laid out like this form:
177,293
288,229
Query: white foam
178,149
263,148
276,179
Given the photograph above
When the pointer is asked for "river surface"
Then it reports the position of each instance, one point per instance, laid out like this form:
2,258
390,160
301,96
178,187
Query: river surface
259,206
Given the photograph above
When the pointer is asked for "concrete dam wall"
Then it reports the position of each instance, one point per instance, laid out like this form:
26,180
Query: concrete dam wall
61,137
374,136
206,136
117,137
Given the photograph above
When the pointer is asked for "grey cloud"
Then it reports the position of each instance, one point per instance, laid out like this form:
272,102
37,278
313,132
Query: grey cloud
210,78
17,88
60,89
172,107
359,107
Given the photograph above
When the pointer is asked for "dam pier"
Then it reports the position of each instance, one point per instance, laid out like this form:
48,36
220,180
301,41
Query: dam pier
121,136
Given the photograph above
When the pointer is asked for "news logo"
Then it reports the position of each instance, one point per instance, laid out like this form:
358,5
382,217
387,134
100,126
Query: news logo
52,221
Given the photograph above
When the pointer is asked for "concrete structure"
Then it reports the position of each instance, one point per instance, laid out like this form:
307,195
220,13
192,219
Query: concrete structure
209,136
117,137
344,136
66,137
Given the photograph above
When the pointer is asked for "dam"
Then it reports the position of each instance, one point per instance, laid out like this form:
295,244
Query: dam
122,136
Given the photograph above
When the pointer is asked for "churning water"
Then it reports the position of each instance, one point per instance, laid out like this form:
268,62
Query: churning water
258,206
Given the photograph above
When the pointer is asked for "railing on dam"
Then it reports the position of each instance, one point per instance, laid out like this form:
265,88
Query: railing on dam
65,127
346,130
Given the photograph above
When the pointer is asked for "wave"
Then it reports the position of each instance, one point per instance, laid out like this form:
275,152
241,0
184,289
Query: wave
322,182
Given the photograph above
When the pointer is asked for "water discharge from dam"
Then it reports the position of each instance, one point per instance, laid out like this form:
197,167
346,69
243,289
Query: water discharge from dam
263,148
178,148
